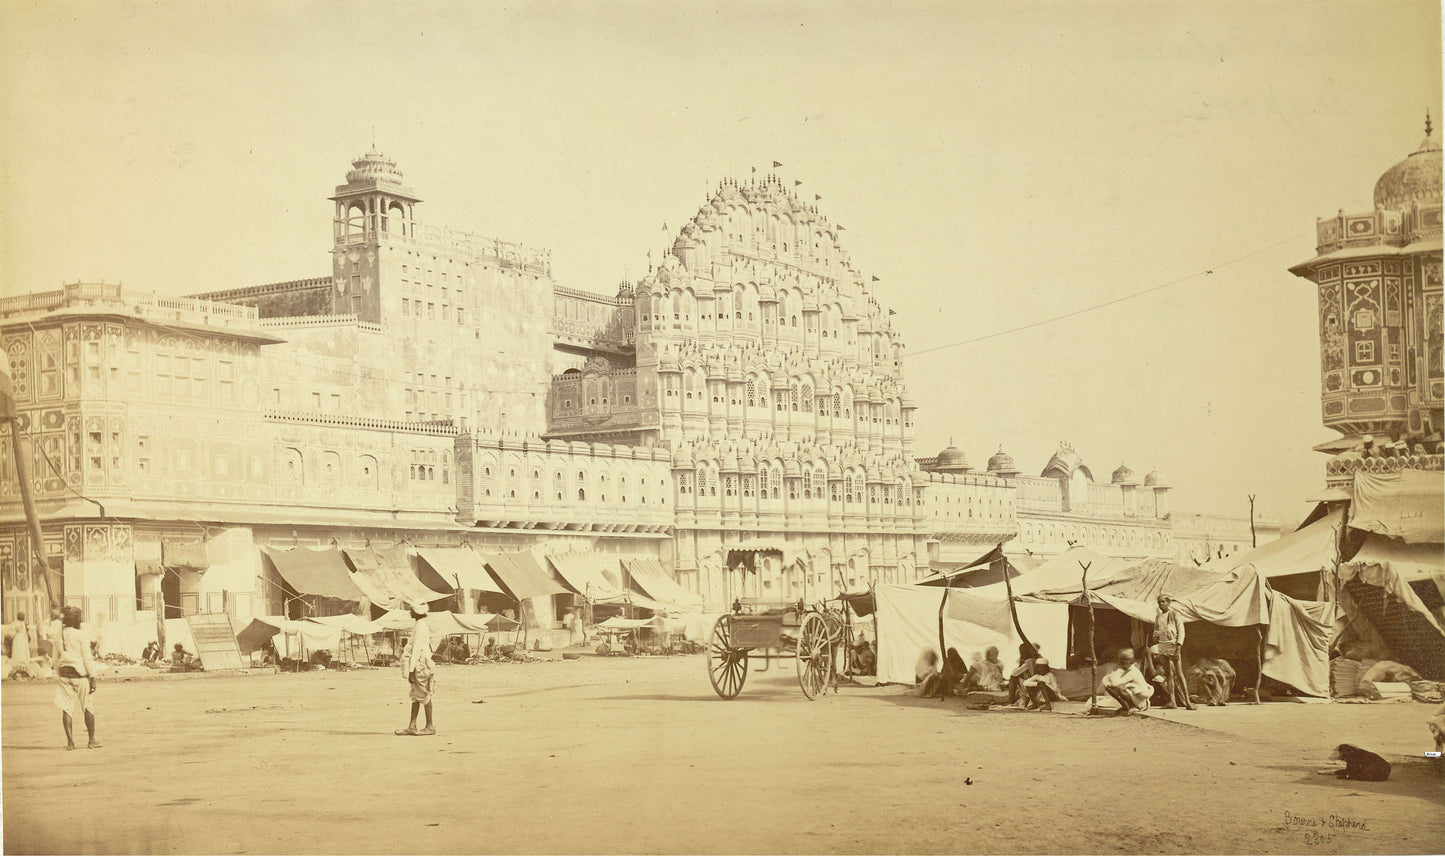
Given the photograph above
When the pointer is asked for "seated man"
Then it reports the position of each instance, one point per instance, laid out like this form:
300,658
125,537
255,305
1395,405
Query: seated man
1127,686
865,662
926,674
151,653
182,661
1210,681
1040,690
1021,672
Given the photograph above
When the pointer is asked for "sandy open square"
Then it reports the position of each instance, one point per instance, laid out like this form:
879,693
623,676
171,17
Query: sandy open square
639,755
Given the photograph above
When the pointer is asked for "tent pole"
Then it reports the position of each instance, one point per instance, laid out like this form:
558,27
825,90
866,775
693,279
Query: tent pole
1013,610
1259,673
1093,651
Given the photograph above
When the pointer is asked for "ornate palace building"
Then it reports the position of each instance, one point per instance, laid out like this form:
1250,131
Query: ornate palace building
1382,375
739,415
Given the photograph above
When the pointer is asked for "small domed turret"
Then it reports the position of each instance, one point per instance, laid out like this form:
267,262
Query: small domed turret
1414,179
1124,475
1156,479
1002,464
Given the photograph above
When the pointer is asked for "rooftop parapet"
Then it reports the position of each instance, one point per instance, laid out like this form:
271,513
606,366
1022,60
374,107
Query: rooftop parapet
108,297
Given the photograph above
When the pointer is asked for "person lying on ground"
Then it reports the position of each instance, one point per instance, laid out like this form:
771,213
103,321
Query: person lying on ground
926,674
1127,686
1040,690
1210,680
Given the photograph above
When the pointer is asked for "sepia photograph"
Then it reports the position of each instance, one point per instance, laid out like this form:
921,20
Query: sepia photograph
721,427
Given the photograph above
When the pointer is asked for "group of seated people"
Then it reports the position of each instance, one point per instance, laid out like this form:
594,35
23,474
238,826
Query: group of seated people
1030,685
181,659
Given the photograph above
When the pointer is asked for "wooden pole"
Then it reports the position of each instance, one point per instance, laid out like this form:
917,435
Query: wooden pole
38,565
1093,651
1013,611
1253,538
1259,674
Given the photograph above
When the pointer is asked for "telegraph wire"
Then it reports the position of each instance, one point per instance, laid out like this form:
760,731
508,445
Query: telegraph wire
1106,303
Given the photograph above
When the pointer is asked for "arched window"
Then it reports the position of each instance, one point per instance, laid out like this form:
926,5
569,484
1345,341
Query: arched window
581,494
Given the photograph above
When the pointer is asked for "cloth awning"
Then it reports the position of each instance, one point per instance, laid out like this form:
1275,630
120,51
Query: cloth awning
520,575
353,624
317,572
587,574
1303,551
619,623
184,555
387,578
460,567
445,623
1409,505
649,578
148,558
1061,576
315,636
985,570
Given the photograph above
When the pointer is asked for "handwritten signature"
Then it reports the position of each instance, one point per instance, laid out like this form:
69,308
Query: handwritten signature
1324,828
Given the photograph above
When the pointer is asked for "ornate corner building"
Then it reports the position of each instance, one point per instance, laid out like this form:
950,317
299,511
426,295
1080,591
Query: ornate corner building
1382,375
440,388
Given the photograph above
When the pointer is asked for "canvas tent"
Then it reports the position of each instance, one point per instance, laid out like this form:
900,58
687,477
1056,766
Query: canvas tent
648,578
1409,505
591,575
1293,564
1294,634
1397,588
316,572
387,578
520,575
460,567
985,570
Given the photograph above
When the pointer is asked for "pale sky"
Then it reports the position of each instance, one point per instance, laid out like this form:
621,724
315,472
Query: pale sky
993,164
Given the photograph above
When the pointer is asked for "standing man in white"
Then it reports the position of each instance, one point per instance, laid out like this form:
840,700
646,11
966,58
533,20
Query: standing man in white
416,664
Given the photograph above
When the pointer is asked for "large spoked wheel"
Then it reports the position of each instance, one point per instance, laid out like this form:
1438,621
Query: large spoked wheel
815,656
727,666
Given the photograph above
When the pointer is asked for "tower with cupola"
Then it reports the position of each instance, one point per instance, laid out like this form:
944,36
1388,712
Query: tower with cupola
1377,274
374,207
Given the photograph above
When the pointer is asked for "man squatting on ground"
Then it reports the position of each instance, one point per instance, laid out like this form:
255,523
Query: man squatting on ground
1127,685
416,664
75,671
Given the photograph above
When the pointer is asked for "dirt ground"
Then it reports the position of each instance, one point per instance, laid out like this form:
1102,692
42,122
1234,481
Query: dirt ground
639,755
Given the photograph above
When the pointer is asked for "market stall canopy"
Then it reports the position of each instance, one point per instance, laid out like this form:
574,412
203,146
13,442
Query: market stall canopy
1303,551
588,574
353,624
520,575
619,623
759,545
985,570
1237,598
387,578
445,623
908,618
1060,577
460,567
313,635
184,555
1409,504
317,572
649,578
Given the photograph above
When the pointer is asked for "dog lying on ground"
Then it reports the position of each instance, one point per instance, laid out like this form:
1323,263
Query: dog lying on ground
1360,764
